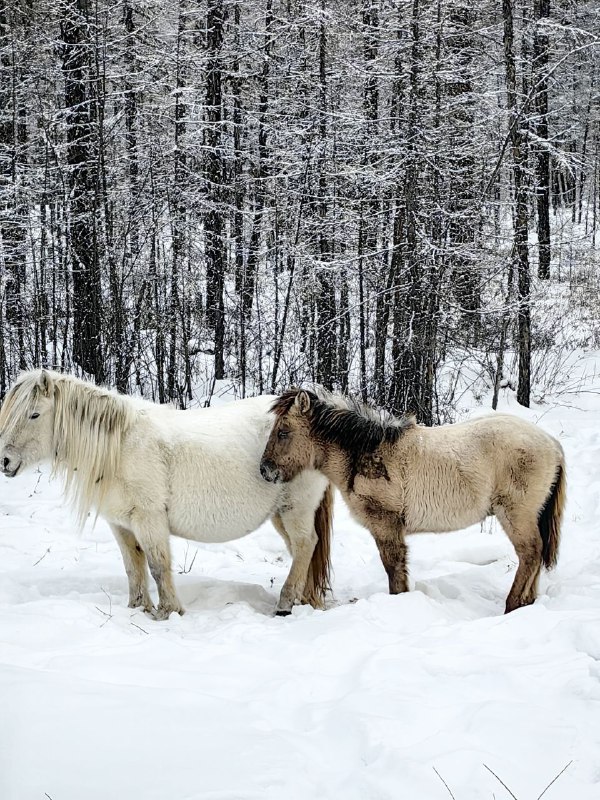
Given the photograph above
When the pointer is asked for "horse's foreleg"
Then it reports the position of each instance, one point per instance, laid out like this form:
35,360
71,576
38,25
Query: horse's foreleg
135,567
153,536
299,535
388,532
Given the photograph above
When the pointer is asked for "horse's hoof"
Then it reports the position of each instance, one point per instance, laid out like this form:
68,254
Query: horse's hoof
160,614
520,604
282,612
146,609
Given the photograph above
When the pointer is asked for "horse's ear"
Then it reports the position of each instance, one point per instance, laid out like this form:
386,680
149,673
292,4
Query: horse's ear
302,402
45,383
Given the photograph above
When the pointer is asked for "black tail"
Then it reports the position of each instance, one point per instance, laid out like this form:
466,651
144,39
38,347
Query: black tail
550,518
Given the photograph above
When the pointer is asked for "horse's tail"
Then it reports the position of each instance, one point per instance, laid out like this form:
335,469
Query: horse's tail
550,518
319,571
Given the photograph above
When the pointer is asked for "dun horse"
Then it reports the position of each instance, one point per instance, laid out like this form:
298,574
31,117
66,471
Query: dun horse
399,478
152,471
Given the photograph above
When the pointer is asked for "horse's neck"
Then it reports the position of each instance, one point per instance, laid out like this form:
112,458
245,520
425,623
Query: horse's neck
335,464
89,423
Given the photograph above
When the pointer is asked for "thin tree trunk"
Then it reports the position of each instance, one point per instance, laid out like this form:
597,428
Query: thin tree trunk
325,305
213,225
541,13
519,159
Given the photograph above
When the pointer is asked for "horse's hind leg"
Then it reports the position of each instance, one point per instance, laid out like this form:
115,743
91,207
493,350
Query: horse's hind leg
152,533
135,567
297,529
531,589
278,525
522,530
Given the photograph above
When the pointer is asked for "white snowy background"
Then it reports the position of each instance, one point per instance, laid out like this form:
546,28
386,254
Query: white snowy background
365,700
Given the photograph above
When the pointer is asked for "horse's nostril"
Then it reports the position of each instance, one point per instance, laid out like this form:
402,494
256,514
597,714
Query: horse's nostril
5,462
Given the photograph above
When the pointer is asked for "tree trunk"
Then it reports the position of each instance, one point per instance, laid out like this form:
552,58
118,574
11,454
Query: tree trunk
326,311
541,13
521,253
213,224
84,245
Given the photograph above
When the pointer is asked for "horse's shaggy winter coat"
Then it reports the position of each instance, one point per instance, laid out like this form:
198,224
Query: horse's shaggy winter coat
152,470
400,478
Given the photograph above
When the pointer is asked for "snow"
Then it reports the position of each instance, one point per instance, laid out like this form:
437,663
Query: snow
364,700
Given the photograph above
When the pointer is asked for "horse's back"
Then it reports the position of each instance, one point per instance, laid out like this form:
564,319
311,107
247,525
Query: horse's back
495,436
458,471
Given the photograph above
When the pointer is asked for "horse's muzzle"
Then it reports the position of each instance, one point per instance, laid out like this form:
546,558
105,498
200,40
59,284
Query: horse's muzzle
9,467
10,461
270,471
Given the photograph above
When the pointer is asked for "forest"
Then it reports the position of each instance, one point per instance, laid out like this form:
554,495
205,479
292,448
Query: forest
396,198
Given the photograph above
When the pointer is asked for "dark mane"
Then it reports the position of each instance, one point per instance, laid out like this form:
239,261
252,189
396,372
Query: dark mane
354,426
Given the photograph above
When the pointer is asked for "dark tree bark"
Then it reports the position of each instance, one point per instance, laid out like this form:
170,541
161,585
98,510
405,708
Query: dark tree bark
520,250
178,341
238,192
414,372
247,285
541,13
326,310
462,224
382,276
13,209
84,243
213,224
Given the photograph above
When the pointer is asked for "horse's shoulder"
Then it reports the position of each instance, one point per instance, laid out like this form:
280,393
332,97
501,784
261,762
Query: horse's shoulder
372,465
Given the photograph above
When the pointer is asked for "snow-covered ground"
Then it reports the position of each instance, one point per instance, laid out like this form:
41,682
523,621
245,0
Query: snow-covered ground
365,700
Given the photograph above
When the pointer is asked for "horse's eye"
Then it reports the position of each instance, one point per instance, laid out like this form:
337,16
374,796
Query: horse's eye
35,415
283,434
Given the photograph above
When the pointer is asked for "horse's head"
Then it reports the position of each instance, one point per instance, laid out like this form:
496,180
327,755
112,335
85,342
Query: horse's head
291,447
27,422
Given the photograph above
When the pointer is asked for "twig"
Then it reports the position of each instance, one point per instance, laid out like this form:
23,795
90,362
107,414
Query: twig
108,614
109,601
47,795
500,781
566,767
36,484
42,557
183,568
445,784
139,628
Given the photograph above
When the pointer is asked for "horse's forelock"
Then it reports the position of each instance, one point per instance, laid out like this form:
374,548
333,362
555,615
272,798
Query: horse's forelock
286,400
18,403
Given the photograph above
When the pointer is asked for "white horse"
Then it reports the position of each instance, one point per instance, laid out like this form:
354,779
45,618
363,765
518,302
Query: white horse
153,470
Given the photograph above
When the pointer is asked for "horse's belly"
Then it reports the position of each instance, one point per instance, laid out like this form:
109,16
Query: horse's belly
214,528
444,520
220,517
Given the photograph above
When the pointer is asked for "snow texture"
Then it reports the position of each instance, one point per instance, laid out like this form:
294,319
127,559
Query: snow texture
365,700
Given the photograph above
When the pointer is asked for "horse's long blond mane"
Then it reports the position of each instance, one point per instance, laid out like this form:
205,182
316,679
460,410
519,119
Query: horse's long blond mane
89,423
